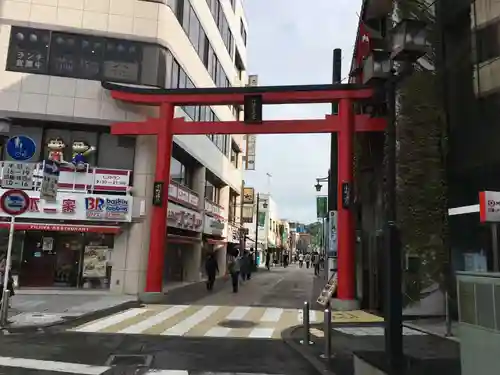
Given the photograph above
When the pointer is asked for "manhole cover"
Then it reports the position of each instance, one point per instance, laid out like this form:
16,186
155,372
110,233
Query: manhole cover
129,360
237,324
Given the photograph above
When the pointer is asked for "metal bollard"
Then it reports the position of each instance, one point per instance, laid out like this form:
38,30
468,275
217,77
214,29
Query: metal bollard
327,327
306,324
4,308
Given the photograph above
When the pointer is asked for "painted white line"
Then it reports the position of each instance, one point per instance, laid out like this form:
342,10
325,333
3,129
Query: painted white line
238,313
218,332
272,314
154,320
313,316
167,372
261,333
184,326
111,320
64,367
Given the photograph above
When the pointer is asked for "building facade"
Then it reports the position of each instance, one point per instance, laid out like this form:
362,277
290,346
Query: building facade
54,56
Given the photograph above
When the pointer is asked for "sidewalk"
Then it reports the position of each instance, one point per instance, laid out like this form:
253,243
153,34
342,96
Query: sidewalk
36,308
427,354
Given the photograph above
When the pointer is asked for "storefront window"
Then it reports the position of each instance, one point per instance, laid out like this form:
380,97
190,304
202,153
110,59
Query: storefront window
17,249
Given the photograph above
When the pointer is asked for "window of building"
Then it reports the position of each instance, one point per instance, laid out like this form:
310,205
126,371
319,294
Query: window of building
180,173
243,32
212,192
235,153
488,42
231,217
116,151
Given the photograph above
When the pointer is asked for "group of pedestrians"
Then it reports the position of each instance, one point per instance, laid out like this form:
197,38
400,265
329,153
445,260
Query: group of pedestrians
239,265
10,282
313,259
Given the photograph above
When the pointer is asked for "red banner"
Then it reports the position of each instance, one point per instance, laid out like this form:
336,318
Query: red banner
64,227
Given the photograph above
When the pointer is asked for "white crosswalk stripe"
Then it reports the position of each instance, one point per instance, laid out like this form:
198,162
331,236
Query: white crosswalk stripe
43,366
212,321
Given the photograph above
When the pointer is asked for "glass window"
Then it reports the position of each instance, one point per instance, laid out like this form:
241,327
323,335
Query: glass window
185,16
182,79
194,29
116,151
180,173
212,192
175,75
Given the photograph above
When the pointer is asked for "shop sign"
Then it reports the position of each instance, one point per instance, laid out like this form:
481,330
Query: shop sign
214,209
70,228
97,179
71,206
233,234
182,195
213,226
489,206
183,218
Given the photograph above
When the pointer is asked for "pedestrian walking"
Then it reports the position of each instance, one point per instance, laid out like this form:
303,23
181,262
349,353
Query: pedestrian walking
307,258
301,260
316,261
244,266
268,260
212,268
234,266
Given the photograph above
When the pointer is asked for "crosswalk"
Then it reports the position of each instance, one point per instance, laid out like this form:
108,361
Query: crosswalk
376,331
212,321
51,367
200,321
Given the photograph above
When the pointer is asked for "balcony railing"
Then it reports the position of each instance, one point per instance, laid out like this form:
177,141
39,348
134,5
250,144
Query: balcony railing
90,179
183,195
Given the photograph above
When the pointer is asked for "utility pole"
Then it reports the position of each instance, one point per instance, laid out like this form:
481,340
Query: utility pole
257,230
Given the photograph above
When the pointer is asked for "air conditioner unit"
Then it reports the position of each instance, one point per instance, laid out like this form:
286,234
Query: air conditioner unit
253,80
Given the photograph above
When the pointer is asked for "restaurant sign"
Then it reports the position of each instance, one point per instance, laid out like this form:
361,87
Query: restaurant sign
183,218
213,226
71,206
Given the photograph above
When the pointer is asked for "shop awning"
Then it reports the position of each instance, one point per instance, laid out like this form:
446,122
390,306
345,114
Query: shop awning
213,241
174,238
64,227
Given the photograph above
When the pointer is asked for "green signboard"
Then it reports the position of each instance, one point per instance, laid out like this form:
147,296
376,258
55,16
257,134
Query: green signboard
321,207
262,219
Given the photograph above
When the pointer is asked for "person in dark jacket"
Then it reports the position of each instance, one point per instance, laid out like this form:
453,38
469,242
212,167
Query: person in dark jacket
212,268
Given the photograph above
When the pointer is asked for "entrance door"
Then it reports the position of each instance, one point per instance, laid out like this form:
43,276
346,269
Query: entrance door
69,249
37,267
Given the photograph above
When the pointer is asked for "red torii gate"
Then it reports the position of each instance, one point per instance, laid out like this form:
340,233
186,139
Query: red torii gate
165,126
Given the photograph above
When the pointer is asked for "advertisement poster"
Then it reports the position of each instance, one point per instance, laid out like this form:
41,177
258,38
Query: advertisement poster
95,261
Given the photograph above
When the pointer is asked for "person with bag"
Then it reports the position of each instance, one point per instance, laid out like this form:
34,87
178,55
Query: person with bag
234,267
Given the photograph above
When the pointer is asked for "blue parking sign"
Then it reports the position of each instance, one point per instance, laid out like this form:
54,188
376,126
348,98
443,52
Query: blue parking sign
21,148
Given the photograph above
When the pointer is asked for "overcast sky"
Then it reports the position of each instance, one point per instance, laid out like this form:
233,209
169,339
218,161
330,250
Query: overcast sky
291,42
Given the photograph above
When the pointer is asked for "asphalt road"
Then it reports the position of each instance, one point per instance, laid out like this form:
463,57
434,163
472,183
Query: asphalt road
58,350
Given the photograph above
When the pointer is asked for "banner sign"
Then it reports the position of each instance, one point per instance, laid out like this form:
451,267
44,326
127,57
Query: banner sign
250,152
321,207
332,226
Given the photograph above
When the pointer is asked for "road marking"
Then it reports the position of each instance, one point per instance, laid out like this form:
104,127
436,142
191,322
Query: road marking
167,372
111,320
64,367
261,333
238,313
375,331
318,333
272,315
218,332
154,320
184,326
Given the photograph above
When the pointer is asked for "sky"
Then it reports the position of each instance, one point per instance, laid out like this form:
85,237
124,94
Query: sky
291,42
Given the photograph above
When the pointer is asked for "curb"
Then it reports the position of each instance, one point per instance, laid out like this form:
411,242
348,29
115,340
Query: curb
317,364
72,321
432,333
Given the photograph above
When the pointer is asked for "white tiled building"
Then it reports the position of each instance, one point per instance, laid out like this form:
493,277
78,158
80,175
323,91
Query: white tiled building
54,55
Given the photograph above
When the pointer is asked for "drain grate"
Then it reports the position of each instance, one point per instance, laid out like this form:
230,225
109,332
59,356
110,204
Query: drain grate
237,324
129,360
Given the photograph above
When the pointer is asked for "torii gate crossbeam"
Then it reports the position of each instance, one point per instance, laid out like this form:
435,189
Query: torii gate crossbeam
165,126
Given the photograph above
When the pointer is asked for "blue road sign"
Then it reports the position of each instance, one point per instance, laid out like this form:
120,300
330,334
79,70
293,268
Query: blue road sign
51,168
21,148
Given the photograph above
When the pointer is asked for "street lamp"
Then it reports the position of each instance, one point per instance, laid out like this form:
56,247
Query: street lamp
318,185
408,42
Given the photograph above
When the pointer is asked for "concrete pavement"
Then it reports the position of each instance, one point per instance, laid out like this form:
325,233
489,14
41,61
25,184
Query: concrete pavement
32,308
269,295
